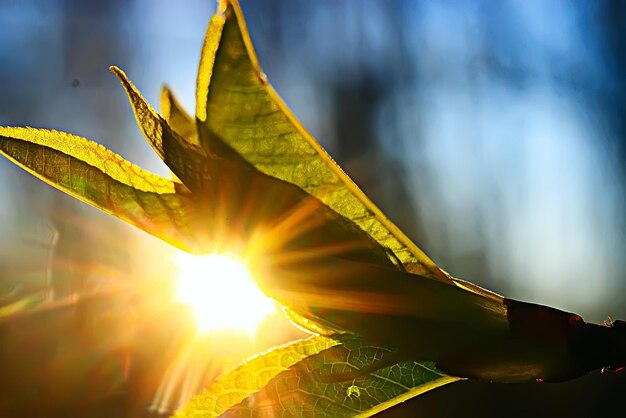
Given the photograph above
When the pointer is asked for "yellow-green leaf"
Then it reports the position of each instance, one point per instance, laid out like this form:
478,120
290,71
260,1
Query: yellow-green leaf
186,160
207,60
250,377
95,175
227,188
177,118
304,389
237,104
89,152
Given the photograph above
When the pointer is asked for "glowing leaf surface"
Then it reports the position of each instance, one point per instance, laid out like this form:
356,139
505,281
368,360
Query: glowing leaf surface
97,176
185,159
301,391
177,118
245,112
250,377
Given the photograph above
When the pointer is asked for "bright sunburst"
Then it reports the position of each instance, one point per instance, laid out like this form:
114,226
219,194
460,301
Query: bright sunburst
221,292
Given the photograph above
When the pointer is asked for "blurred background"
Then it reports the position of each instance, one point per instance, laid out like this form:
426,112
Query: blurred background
492,132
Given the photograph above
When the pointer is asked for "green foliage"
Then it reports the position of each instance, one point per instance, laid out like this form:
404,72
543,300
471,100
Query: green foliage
300,391
248,177
244,138
251,376
245,112
288,381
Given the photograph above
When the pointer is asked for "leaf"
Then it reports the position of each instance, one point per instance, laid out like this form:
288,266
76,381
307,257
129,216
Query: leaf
251,376
207,60
227,188
95,175
177,118
186,160
236,103
301,392
425,319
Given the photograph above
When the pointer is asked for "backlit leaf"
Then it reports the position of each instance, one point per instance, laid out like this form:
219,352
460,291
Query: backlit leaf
97,176
229,189
177,118
185,159
237,104
301,391
250,377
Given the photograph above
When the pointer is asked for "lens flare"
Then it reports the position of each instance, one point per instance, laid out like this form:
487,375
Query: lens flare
221,292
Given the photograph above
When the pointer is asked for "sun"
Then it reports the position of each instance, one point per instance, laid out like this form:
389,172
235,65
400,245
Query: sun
221,292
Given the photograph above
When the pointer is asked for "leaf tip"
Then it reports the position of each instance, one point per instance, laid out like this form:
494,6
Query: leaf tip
115,70
165,101
123,78
221,7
